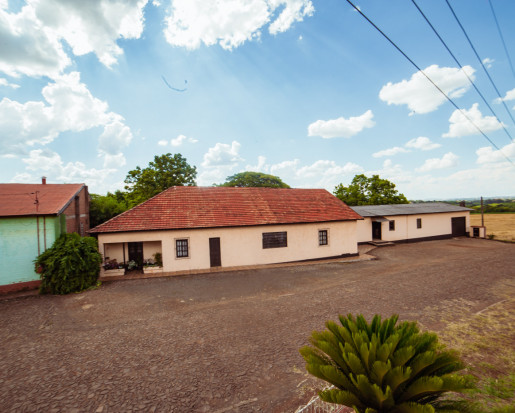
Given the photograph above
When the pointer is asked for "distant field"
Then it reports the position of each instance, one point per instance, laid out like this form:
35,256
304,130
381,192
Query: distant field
502,226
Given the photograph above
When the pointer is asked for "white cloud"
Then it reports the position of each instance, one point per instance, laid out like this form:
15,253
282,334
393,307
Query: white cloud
420,95
179,140
4,82
325,168
422,143
488,62
50,164
488,155
341,127
69,107
449,160
32,38
260,167
510,95
222,154
461,126
288,167
162,143
28,47
230,22
93,25
389,152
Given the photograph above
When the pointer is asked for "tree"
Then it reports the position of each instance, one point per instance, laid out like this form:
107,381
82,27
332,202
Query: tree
369,191
382,367
104,207
254,179
72,264
162,173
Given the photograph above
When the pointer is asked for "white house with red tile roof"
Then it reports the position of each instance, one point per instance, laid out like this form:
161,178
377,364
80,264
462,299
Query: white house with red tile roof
32,217
201,227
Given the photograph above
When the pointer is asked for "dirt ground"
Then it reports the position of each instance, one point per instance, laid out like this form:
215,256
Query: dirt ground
502,226
226,342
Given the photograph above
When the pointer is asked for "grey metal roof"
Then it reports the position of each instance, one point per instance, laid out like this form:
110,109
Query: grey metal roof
407,209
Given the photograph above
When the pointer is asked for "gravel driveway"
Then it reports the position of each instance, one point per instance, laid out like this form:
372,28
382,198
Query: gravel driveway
225,342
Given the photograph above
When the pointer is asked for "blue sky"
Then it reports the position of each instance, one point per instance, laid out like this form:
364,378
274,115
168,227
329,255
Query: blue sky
303,89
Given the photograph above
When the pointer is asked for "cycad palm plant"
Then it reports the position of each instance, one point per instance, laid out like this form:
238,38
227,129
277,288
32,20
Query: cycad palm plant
383,367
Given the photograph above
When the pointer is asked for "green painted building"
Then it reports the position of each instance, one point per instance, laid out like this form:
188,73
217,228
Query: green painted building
32,217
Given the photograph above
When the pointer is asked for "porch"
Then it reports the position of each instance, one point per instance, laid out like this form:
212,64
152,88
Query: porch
132,258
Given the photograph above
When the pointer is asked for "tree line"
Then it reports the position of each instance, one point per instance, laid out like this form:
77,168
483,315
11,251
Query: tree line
169,170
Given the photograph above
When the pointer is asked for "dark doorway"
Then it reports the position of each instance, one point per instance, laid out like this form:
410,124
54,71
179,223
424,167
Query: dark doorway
376,230
136,252
214,252
458,226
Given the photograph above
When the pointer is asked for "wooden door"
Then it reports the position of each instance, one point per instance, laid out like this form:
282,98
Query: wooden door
214,252
376,230
136,252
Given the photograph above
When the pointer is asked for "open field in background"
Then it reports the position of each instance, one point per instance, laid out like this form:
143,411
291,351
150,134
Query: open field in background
502,226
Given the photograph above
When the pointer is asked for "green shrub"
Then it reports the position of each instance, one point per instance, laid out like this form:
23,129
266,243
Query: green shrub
383,367
72,264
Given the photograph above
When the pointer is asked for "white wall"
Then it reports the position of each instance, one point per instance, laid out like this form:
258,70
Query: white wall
243,245
406,226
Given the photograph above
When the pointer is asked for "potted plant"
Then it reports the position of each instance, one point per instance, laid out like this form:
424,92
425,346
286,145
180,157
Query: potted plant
113,268
153,265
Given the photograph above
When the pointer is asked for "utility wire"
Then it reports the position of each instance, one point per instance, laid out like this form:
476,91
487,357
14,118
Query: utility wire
461,67
430,80
502,37
480,61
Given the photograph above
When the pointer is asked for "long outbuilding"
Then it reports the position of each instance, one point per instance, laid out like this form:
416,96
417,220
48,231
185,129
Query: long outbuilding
412,222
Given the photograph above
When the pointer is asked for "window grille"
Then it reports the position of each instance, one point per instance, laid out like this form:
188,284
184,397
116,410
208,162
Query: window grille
322,237
275,239
181,247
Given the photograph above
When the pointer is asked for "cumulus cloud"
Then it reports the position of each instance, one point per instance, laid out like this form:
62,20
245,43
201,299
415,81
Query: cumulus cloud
179,140
488,155
488,62
459,125
230,23
510,95
68,107
449,160
420,95
389,152
260,167
222,154
32,38
341,127
422,143
49,163
4,82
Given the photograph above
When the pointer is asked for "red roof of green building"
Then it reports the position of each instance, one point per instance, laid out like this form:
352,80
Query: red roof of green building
20,199
183,207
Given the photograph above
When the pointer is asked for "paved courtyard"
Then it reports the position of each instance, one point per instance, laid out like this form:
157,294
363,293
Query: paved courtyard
226,342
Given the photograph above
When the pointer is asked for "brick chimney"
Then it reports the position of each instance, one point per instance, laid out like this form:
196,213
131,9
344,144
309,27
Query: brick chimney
43,180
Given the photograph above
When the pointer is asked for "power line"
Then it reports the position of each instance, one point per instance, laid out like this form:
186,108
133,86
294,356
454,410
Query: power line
461,67
502,37
480,61
430,80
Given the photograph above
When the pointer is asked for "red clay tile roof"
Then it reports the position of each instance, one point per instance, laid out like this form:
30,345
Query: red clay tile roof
182,207
19,199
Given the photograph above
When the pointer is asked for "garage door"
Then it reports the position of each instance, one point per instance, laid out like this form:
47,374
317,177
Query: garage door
458,226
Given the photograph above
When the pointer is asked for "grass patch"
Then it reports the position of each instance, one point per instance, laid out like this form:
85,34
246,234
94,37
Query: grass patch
486,341
501,226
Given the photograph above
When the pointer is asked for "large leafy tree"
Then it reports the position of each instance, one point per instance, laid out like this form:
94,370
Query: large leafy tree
254,179
369,191
104,207
161,173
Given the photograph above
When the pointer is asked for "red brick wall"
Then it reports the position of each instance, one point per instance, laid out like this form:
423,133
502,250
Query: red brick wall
77,213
